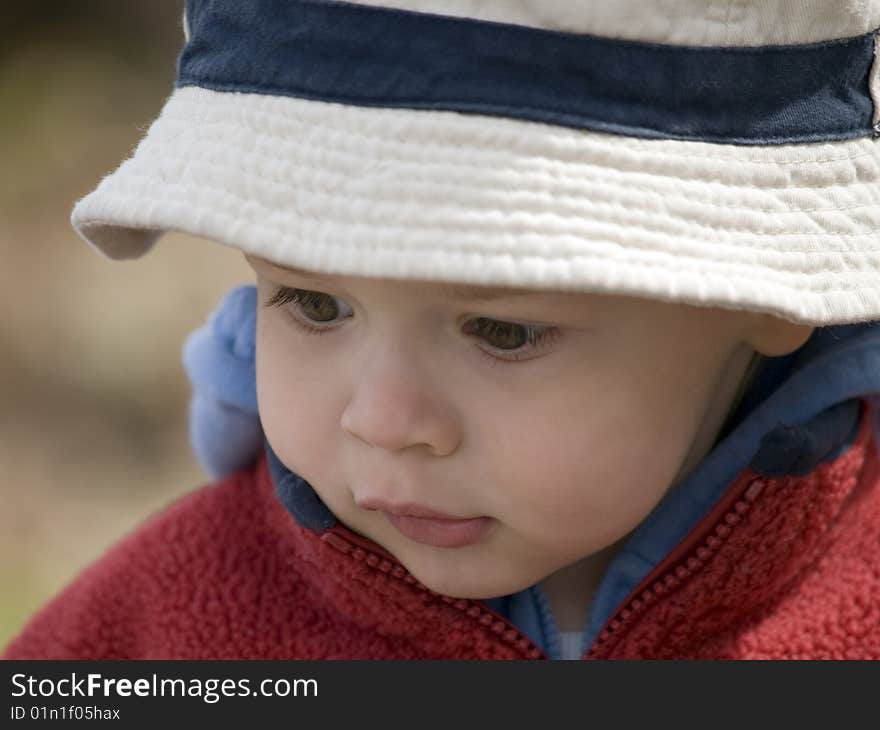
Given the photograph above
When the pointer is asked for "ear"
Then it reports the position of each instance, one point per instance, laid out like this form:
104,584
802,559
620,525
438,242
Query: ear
773,336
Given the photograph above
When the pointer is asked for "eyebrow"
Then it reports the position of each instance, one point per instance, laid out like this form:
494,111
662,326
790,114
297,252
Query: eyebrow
467,292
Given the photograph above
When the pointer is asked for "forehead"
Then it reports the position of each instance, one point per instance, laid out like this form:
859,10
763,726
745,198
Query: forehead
445,290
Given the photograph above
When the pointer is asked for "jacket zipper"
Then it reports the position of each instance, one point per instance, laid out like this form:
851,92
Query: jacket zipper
676,568
365,551
695,550
681,563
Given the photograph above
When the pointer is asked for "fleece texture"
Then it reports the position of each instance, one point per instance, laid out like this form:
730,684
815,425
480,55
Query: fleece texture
780,568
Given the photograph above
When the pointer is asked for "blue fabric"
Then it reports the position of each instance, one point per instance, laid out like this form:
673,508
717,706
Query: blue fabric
375,56
801,409
224,429
297,495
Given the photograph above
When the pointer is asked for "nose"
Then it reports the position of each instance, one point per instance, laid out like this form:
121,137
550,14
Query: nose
396,404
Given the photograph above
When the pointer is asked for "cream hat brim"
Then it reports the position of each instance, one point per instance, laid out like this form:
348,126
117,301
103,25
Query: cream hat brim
792,230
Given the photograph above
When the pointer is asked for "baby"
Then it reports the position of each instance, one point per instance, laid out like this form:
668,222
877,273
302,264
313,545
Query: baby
596,374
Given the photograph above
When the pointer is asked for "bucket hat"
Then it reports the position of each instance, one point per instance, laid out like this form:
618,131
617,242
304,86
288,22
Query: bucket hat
714,152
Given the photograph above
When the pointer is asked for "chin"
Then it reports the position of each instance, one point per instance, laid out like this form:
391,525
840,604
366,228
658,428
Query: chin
458,577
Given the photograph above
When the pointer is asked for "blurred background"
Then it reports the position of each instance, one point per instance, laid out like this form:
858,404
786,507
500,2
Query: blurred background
93,395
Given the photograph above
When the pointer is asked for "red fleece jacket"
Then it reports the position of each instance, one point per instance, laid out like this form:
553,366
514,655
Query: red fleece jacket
781,568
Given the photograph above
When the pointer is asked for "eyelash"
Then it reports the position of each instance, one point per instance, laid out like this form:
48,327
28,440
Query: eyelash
535,336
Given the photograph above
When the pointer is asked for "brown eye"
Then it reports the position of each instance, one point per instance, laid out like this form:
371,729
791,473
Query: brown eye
501,335
310,306
509,341
317,306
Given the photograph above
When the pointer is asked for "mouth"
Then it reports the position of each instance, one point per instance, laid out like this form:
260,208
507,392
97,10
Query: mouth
441,533
430,527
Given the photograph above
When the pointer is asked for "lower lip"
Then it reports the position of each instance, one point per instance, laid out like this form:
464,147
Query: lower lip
441,533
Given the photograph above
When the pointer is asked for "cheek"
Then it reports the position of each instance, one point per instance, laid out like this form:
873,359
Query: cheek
587,468
295,399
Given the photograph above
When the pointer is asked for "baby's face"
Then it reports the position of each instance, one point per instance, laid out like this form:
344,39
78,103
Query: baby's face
554,421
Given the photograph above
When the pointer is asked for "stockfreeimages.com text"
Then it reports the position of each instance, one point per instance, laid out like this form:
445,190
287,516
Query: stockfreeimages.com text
210,690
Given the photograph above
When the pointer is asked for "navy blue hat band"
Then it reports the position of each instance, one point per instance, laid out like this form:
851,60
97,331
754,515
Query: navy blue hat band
383,57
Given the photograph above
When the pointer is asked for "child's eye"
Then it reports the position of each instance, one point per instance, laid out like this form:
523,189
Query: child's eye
310,307
514,341
508,341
